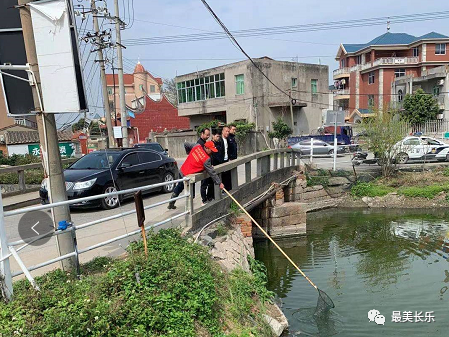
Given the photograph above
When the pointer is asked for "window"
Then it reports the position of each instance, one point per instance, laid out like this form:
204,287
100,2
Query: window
440,48
358,59
411,141
130,160
399,72
343,63
371,78
436,90
109,91
141,87
294,82
148,157
415,51
239,84
370,101
152,88
201,88
400,95
314,86
95,160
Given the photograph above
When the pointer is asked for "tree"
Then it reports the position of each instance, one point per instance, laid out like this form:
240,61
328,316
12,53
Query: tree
80,125
419,107
382,132
281,130
169,90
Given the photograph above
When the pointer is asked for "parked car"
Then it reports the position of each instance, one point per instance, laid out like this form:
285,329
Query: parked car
110,170
319,148
421,148
153,146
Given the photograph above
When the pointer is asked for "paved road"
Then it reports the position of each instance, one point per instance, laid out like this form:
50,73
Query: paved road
113,228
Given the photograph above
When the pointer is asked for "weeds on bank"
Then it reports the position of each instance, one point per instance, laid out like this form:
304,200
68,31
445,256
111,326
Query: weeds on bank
180,292
370,190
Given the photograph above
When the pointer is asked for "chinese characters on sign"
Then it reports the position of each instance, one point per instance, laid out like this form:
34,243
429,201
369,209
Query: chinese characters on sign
413,317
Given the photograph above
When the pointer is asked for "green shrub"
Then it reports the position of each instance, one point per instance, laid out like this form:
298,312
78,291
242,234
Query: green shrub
428,192
317,180
19,159
177,290
32,177
370,190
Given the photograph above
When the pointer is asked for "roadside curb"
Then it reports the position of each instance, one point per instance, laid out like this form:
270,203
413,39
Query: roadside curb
21,204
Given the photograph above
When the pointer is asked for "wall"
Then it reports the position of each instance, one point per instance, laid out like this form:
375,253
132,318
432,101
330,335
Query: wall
431,57
158,116
174,142
17,149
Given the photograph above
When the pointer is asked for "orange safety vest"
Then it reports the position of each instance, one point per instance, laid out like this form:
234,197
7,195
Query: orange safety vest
195,161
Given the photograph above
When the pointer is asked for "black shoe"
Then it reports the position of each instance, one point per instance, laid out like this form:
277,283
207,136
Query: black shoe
171,205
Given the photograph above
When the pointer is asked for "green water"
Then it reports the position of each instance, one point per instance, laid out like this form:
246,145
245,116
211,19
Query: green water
364,260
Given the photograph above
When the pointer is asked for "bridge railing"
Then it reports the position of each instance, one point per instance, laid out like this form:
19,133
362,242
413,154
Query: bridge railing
8,248
281,158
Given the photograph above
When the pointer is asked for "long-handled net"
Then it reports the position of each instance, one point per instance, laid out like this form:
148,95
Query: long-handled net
324,303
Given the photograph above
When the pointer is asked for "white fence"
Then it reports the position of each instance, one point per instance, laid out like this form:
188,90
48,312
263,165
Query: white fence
8,249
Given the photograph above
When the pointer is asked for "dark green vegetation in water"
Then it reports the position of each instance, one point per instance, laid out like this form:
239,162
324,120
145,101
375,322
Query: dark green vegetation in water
180,292
364,260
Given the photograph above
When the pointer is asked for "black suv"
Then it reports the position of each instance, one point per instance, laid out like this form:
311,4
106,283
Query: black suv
110,170
155,146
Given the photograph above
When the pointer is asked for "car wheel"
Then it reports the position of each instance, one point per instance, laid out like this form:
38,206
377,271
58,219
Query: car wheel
167,178
112,201
331,152
447,157
402,158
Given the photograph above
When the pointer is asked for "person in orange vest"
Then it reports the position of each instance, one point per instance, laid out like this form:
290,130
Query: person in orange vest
197,161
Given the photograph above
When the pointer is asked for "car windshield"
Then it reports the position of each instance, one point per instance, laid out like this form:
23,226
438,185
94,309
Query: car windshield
429,141
95,160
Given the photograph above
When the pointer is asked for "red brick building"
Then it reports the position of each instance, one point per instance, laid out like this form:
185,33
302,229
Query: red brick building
156,116
365,80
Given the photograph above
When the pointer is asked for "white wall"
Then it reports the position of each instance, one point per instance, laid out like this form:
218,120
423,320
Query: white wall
17,149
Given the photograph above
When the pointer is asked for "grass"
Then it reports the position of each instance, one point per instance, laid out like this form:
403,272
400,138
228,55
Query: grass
370,190
428,192
180,292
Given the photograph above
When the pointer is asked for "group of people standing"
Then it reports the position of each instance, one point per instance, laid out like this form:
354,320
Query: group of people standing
226,145
203,156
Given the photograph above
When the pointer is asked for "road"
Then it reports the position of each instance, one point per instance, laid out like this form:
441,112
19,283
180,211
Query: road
33,255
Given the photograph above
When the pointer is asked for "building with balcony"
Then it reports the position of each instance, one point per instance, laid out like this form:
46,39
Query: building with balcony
239,91
365,80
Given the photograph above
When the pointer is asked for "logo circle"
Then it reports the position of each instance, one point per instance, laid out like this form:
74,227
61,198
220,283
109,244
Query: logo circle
33,225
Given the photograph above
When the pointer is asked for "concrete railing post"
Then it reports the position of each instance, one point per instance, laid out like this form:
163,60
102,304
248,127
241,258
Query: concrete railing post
293,156
275,158
248,172
282,159
5,270
22,185
234,178
259,166
217,190
189,188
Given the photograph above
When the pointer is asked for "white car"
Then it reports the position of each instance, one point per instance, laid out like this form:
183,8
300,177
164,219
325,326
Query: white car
421,148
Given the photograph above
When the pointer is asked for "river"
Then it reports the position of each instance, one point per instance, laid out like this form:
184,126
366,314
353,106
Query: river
395,262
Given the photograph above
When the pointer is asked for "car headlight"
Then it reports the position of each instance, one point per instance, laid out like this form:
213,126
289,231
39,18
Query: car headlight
44,184
82,185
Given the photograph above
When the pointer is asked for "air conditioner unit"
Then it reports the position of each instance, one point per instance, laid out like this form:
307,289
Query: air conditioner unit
440,116
343,81
441,82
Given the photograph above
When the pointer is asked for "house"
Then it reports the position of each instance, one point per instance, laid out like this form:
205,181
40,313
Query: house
239,91
24,142
365,78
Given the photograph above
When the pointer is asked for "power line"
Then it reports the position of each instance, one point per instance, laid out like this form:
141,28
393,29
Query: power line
257,32
231,37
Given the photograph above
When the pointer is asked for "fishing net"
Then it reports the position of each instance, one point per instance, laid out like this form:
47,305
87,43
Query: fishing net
324,303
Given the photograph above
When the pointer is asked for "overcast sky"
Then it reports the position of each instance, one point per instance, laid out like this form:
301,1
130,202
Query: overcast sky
153,17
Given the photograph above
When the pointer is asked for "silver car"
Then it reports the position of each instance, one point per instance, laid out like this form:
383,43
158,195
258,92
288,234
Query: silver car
319,148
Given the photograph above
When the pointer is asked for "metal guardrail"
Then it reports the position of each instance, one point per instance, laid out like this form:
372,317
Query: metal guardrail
20,170
8,250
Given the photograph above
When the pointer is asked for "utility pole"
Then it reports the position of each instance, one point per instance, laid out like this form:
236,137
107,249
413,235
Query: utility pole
107,111
121,83
48,138
291,105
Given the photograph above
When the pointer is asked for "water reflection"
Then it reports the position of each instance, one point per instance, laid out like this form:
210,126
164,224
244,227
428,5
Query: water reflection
362,259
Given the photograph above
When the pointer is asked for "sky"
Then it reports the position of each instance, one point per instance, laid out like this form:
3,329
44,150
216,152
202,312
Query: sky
156,18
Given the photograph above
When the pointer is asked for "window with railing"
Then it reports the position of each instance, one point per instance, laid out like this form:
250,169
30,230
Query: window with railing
239,84
358,59
415,51
343,63
436,91
314,86
201,88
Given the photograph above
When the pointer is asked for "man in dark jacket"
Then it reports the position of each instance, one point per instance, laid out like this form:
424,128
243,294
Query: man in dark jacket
197,161
204,136
232,143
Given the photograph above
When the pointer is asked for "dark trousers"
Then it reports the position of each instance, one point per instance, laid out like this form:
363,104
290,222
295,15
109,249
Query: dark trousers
203,189
226,179
179,186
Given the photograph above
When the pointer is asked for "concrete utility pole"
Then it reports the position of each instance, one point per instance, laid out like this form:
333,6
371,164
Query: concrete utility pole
48,139
121,83
107,111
